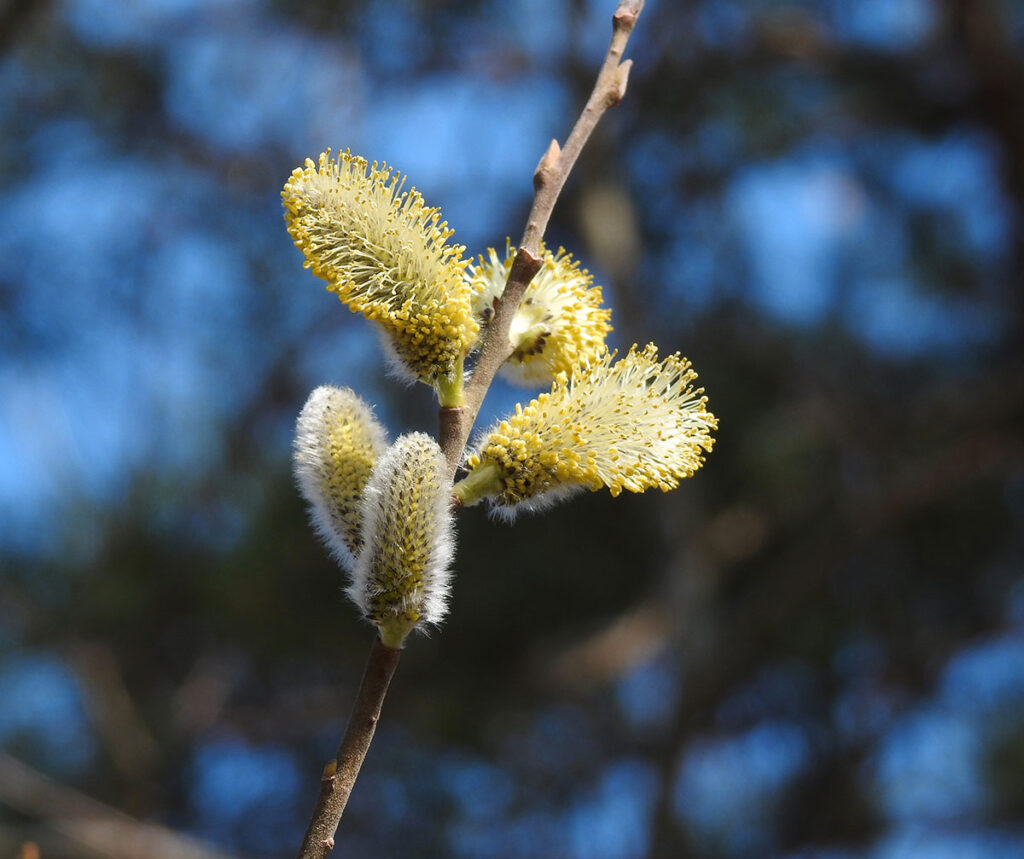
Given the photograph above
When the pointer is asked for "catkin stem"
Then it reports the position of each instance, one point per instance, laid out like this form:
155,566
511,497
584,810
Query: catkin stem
477,485
449,388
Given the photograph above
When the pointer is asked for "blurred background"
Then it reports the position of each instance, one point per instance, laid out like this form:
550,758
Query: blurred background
814,648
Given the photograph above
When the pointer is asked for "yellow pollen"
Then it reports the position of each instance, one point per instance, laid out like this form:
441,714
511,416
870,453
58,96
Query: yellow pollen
559,323
385,254
635,424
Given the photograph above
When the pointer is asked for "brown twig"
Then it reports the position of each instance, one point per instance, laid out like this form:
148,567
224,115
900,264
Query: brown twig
340,773
548,180
450,421
455,423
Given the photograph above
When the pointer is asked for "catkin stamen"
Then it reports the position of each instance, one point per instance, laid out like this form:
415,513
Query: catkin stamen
559,323
633,425
385,254
401,576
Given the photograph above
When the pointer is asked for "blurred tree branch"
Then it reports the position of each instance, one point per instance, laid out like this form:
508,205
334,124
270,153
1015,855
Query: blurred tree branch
91,823
114,713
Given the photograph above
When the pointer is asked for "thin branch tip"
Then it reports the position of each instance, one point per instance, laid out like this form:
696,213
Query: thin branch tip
626,14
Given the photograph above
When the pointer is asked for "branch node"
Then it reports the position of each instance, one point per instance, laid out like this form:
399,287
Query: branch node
626,14
524,266
617,90
623,21
546,165
328,843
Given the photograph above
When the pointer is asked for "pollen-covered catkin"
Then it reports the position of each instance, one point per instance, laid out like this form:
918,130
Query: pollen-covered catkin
385,253
337,443
401,576
636,424
559,323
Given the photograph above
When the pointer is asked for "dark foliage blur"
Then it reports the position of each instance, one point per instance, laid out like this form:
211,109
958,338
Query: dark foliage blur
814,648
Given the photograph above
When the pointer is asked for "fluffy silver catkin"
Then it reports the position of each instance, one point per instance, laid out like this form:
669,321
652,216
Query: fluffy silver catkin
401,577
337,442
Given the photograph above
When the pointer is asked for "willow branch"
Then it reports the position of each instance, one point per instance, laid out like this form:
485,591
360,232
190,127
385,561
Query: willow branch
456,422
548,181
340,773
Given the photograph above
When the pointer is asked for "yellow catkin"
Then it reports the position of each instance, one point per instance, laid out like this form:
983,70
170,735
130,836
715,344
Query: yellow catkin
401,575
337,443
559,323
385,253
635,424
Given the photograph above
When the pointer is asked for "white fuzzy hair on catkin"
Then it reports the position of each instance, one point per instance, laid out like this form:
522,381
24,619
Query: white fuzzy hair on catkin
402,569
337,442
